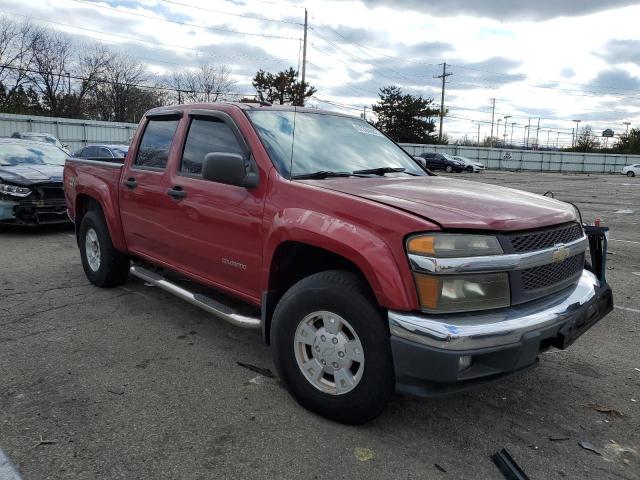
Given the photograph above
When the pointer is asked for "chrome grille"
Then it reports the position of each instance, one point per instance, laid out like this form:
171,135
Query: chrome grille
528,242
553,273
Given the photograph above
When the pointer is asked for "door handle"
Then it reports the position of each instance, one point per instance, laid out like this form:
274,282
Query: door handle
177,193
130,183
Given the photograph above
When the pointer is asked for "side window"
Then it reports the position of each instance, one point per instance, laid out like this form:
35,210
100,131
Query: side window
90,152
104,153
156,141
206,136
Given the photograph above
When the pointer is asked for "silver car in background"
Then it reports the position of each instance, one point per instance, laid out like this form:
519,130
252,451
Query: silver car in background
471,166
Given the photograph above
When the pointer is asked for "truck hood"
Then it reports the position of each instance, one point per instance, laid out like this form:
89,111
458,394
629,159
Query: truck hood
453,203
29,174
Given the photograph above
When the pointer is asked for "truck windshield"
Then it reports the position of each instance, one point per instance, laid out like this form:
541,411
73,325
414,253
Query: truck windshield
327,143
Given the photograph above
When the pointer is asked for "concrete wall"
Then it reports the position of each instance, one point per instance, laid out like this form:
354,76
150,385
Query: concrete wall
507,159
75,133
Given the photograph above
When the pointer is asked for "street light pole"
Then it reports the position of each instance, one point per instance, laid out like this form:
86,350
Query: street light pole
511,141
575,142
498,128
627,124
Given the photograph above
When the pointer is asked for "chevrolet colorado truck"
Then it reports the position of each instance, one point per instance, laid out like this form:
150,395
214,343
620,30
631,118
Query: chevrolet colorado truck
365,272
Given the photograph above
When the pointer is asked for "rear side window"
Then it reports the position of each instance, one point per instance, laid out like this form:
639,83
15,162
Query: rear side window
155,144
206,136
89,152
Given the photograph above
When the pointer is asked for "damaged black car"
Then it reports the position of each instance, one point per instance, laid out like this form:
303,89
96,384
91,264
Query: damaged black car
31,190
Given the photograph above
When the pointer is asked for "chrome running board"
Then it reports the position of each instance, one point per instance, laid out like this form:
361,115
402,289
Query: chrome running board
210,305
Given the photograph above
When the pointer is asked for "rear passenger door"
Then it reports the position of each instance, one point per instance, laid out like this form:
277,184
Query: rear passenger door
215,229
143,190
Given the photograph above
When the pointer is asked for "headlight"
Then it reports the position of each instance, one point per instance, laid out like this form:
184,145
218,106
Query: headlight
462,293
14,190
459,293
449,245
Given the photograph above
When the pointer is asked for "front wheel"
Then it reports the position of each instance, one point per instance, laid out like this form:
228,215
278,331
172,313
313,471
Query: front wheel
103,265
470,169
448,169
331,348
631,174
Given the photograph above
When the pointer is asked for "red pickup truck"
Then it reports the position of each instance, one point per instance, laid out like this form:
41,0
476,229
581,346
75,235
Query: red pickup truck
366,273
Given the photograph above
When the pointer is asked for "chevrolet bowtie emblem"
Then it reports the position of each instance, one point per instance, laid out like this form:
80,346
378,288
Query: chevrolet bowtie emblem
560,253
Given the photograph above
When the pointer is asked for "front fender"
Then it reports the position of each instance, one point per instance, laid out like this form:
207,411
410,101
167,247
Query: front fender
363,247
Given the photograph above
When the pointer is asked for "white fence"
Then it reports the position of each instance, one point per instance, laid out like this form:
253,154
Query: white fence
74,133
536,160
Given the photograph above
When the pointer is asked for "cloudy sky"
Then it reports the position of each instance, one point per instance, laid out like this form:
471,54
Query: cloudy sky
556,60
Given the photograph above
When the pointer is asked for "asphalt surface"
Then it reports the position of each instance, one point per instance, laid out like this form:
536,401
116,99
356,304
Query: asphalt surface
133,383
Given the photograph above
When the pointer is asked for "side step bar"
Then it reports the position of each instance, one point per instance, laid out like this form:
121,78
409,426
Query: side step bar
212,306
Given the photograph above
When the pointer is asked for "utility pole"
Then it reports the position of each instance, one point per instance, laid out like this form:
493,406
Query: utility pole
304,58
478,134
364,113
528,132
558,140
627,124
68,82
511,141
548,133
538,133
444,81
493,114
504,135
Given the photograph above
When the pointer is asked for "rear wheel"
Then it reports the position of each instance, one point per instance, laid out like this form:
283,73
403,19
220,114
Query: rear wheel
631,174
331,348
103,265
448,169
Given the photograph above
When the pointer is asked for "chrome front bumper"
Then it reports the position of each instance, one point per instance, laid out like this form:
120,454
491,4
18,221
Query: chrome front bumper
478,330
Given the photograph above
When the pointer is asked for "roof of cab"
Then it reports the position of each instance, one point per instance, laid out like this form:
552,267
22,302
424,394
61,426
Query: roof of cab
246,106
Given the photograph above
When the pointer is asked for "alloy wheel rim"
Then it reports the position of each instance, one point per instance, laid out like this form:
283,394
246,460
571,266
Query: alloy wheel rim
329,353
92,249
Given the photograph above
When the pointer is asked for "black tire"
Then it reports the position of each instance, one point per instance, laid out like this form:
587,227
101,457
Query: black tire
114,265
345,294
448,169
631,174
470,169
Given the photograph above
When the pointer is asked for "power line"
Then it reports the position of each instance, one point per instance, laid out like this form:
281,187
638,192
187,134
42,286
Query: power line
120,84
215,29
242,15
154,43
546,80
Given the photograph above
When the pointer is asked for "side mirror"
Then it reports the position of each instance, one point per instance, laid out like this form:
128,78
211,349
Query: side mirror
228,168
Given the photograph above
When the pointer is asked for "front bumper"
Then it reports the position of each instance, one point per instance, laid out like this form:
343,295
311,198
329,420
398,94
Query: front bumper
427,348
32,212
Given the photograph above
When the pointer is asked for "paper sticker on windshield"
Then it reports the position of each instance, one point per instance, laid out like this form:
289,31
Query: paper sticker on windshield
367,130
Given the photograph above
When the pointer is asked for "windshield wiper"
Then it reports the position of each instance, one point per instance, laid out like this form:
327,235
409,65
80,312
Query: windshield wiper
320,175
379,171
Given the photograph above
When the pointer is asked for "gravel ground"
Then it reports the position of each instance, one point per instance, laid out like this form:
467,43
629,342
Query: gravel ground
132,383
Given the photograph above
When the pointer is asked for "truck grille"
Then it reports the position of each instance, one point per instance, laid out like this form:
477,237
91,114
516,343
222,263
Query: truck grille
538,240
552,274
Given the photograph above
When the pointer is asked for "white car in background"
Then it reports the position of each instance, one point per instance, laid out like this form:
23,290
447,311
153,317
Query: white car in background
631,170
471,165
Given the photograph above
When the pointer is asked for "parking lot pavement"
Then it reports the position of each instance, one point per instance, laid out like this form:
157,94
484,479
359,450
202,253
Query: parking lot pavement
132,383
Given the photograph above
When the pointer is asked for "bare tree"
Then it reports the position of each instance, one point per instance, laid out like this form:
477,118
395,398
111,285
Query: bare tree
587,140
120,96
206,83
15,55
64,72
52,54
